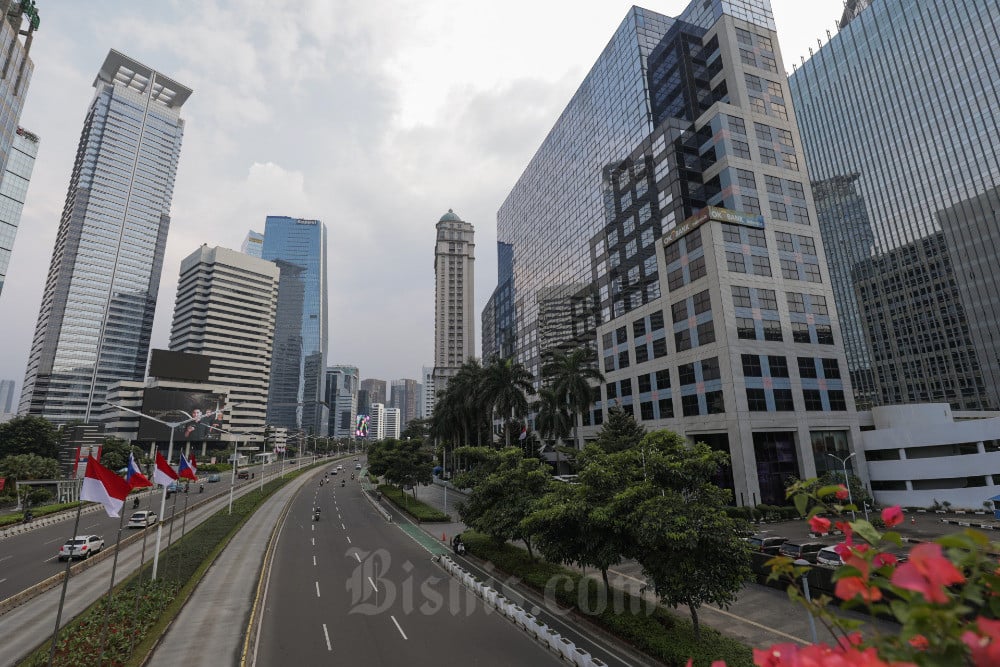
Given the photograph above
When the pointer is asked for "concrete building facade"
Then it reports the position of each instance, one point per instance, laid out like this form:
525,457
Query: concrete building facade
454,297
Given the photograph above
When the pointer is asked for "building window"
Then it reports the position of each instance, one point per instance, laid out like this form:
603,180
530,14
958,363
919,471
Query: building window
710,369
639,328
824,334
783,400
773,185
741,297
679,311
772,330
612,389
689,405
735,262
736,125
796,302
715,402
623,359
666,408
748,57
837,400
685,373
754,83
756,400
778,366
813,400
800,332
745,328
646,411
645,383
768,156
746,179
663,379
659,348
682,340
656,321
641,353
831,369
807,367
790,161
751,366
741,149
706,333
702,302
761,266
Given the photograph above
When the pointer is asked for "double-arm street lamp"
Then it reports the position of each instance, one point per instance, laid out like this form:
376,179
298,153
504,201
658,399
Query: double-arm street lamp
847,481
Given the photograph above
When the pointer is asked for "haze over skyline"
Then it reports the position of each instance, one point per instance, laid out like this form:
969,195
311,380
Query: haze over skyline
373,117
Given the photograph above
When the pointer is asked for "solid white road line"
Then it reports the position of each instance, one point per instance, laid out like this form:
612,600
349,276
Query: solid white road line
314,561
357,556
314,541
373,584
327,635
317,589
399,628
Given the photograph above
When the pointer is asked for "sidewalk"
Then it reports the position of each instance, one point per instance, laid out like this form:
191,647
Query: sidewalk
760,617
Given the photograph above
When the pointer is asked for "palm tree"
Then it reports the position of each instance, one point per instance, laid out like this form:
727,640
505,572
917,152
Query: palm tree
571,375
553,420
466,389
506,384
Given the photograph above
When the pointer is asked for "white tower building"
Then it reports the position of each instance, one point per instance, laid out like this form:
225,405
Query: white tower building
454,294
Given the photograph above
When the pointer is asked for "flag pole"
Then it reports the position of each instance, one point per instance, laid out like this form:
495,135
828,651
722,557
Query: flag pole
138,584
163,508
62,596
111,586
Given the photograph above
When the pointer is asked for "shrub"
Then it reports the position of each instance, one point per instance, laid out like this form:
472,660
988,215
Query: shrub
417,509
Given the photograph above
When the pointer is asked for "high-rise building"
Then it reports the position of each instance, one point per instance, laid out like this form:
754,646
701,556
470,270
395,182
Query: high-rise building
376,427
96,316
342,397
364,402
253,244
18,20
877,106
6,396
427,396
391,426
297,396
454,297
13,191
225,310
683,247
404,396
377,391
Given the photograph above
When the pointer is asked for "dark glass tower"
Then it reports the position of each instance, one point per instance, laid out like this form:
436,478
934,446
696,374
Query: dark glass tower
97,309
297,395
904,102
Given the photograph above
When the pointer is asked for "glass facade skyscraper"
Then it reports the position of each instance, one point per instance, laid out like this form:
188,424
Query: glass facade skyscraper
13,191
904,102
16,69
297,395
97,309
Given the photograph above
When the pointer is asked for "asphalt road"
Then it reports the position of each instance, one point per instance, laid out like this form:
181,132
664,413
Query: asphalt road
32,557
354,587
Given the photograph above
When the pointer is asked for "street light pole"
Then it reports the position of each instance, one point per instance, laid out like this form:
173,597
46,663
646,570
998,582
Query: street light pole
847,482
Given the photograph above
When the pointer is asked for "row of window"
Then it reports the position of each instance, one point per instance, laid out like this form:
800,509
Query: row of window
777,367
757,400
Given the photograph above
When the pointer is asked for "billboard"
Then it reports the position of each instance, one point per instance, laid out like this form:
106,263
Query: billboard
361,429
165,364
712,213
178,405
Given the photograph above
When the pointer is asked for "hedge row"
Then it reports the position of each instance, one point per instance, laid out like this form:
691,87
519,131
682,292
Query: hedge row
44,510
764,513
415,508
650,628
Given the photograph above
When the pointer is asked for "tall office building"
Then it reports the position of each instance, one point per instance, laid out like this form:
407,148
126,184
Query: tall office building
253,244
377,391
454,297
427,396
6,396
342,383
297,396
225,310
392,424
683,247
17,20
405,398
13,191
97,309
376,427
904,101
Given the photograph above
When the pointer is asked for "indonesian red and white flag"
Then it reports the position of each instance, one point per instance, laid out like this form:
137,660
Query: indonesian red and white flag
163,474
101,485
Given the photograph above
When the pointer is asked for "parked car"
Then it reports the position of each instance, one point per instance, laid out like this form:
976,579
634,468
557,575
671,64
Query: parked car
215,477
81,546
142,519
804,550
829,556
767,544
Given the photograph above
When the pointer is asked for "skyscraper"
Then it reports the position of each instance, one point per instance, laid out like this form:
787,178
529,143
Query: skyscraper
342,396
6,396
297,396
18,21
404,397
253,244
97,309
427,396
13,191
454,297
904,102
683,248
225,310
376,391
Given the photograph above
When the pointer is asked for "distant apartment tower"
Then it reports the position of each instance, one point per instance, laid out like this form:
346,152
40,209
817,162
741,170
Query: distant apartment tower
97,309
427,396
296,399
225,310
253,244
392,426
915,141
342,397
13,191
404,397
19,20
376,427
376,391
454,297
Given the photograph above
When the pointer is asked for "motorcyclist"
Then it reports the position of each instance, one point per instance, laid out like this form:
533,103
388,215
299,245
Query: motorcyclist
201,488
28,516
315,514
135,503
343,482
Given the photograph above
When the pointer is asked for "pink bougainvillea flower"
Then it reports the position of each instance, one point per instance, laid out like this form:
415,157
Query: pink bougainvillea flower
883,559
715,663
985,646
919,642
819,524
927,572
892,516
842,492
850,587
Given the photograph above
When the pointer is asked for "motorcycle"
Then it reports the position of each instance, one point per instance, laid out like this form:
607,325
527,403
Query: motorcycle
29,517
343,482
316,515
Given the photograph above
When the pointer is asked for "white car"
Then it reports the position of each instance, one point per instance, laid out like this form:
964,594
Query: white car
142,519
81,546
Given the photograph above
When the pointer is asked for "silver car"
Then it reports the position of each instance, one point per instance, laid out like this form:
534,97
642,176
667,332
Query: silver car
81,546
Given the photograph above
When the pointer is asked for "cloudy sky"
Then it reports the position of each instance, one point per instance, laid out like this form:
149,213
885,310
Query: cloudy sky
375,116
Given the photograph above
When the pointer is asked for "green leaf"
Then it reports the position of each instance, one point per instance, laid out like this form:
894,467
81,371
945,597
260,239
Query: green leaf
901,610
801,502
866,531
828,491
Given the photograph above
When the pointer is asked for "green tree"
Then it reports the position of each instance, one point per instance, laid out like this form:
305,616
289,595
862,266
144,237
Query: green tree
29,435
114,453
571,375
401,462
552,420
25,467
502,498
506,385
690,550
416,429
620,431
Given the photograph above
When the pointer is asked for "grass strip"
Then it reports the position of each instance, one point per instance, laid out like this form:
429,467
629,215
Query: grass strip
418,510
37,512
181,568
649,628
